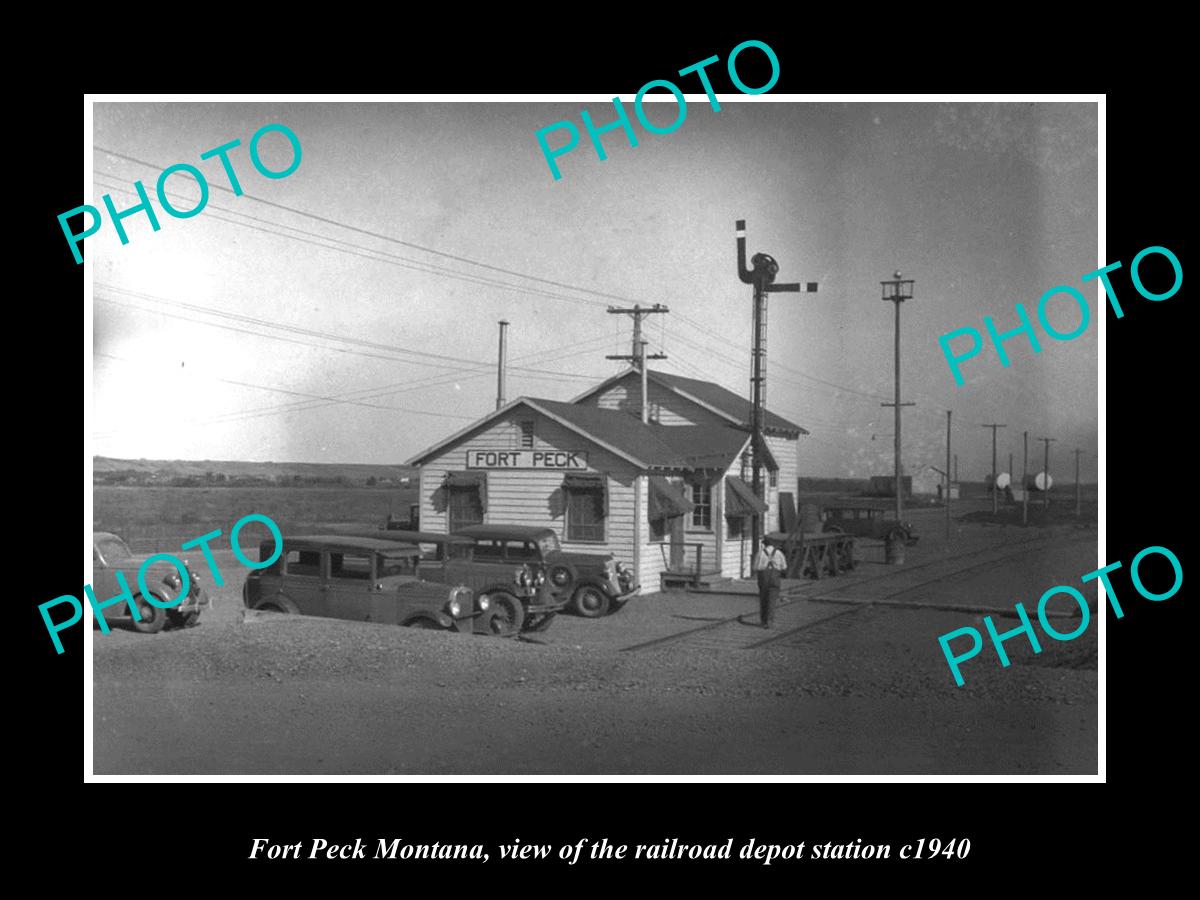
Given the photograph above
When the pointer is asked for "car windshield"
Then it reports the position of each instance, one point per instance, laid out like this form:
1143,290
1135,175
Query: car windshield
112,548
548,544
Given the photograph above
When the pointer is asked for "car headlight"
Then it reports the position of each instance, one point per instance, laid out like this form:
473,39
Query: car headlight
484,603
172,581
454,608
521,576
539,577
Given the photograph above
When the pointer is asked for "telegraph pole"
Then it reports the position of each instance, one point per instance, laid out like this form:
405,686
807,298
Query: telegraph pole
1025,484
994,427
1078,496
502,363
897,292
947,475
638,357
762,276
956,467
1046,469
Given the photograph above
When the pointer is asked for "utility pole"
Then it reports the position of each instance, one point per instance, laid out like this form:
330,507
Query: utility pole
1078,496
1046,470
897,292
994,427
638,357
956,468
947,475
762,276
502,363
1025,484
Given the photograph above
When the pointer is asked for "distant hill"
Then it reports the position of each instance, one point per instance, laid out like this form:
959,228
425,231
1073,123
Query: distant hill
217,473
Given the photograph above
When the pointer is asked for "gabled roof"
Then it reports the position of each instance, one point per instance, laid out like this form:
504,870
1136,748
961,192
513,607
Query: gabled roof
646,446
713,397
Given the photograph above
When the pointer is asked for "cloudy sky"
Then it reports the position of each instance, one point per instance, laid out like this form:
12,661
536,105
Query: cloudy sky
334,334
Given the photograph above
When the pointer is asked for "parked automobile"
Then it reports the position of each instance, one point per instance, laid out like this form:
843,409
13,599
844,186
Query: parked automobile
519,598
358,578
594,584
110,555
863,520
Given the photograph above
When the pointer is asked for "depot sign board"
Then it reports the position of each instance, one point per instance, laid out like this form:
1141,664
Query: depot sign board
527,459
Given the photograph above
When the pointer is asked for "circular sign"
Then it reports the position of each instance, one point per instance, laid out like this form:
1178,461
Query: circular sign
1043,481
1003,480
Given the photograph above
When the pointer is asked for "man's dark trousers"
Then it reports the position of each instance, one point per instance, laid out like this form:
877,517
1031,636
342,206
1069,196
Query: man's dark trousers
768,595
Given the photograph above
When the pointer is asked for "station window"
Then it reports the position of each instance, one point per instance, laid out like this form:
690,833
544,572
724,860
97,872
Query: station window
585,514
464,507
737,526
773,479
702,506
527,435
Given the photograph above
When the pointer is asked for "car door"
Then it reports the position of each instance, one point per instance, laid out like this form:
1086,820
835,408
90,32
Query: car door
487,567
349,583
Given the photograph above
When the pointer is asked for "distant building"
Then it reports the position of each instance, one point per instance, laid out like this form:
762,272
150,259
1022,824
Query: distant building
606,482
885,485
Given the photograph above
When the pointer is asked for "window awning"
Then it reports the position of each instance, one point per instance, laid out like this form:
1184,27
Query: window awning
476,480
582,481
667,500
740,499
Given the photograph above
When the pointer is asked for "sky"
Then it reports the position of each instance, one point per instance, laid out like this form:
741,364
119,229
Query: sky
258,333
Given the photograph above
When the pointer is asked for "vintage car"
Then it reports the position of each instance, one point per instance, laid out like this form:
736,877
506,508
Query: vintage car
518,597
594,584
110,555
358,578
867,520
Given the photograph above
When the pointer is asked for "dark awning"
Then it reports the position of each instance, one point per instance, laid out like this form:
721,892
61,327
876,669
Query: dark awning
581,481
476,480
740,500
667,500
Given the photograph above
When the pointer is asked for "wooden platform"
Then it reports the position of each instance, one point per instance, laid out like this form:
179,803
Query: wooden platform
706,581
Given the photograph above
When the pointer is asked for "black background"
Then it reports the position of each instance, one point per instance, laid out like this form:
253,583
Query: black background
204,832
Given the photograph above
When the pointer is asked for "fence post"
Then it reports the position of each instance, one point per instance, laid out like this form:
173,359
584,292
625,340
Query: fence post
699,566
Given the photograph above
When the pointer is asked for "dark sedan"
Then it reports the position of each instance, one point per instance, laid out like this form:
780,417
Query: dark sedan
357,578
595,584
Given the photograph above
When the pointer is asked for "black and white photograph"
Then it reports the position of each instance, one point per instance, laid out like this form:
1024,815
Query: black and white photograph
704,435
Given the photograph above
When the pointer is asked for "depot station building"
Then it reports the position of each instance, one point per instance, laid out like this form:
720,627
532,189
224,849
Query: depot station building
661,496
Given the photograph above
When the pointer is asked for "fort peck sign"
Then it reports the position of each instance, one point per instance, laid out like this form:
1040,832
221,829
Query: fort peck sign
526,459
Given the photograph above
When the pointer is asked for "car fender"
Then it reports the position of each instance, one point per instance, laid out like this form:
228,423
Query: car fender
592,581
441,619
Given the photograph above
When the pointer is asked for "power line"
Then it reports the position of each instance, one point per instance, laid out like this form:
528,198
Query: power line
383,237
364,393
325,335
263,387
371,253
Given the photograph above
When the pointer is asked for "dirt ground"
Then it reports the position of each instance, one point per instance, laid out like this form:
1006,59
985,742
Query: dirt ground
845,685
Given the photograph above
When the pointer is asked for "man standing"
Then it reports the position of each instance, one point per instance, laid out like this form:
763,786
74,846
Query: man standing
770,564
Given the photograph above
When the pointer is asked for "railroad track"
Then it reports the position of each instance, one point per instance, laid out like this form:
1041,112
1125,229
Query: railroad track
793,618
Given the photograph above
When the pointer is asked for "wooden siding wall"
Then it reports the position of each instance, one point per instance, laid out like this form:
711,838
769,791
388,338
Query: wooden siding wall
523,496
670,408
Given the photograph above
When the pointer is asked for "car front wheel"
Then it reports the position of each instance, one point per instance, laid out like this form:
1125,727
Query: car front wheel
153,617
505,615
590,602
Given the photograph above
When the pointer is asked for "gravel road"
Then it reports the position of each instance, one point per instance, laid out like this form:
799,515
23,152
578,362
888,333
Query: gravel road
866,692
